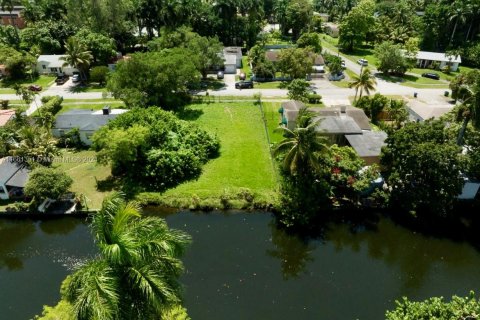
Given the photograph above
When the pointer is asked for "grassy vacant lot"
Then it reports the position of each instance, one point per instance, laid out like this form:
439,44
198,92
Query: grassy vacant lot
273,120
244,160
415,81
82,167
269,85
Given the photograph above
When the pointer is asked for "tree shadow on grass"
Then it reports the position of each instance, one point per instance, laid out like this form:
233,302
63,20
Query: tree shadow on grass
189,114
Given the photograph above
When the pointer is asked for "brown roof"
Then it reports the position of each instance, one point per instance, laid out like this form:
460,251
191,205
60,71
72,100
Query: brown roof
272,55
319,60
5,116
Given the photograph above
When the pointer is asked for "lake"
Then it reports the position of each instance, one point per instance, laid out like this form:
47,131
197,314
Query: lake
240,266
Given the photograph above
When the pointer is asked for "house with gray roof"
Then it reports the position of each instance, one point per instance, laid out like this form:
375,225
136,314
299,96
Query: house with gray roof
87,122
13,177
343,125
233,59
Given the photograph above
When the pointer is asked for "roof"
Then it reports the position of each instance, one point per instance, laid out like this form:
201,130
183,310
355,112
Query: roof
292,105
368,144
233,50
85,120
15,12
272,55
337,125
437,56
51,60
318,60
358,115
5,116
12,173
230,58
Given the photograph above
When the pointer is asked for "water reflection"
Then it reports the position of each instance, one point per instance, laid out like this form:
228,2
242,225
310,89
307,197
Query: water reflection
293,251
10,235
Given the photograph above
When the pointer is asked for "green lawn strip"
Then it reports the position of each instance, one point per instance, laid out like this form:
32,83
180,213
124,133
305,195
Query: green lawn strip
108,100
218,99
7,91
85,172
341,83
97,106
443,75
268,85
424,86
246,67
244,160
42,80
273,119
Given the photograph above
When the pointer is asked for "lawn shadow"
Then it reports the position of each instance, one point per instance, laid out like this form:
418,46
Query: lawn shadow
189,114
84,87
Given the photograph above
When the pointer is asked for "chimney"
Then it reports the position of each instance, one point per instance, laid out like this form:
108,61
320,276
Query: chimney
106,110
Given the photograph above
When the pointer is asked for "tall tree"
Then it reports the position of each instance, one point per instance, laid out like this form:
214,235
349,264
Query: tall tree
135,275
77,55
365,81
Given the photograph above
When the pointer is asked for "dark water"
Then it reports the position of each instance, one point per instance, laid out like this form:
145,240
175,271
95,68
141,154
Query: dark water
241,267
35,257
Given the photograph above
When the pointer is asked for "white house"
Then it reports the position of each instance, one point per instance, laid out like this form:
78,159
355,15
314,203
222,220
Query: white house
13,177
52,64
426,59
233,59
87,121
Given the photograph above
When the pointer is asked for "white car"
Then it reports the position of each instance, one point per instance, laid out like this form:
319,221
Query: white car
75,78
343,64
362,62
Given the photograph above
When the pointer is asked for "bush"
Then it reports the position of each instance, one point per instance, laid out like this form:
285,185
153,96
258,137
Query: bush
46,183
4,104
99,74
154,148
52,104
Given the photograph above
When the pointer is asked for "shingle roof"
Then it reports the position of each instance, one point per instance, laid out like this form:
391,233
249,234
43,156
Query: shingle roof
368,144
337,125
86,120
12,173
437,56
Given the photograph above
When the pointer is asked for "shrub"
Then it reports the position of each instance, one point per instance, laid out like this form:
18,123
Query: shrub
99,74
4,104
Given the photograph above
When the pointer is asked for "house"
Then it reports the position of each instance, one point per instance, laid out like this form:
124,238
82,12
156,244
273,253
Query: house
13,18
343,125
426,59
272,55
52,64
420,110
13,177
318,64
5,116
332,29
87,121
233,59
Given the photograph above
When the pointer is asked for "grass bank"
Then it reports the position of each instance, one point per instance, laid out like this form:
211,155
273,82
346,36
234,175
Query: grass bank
242,176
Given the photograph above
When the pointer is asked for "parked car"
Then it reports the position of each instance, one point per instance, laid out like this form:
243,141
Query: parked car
220,75
242,76
362,62
431,75
35,87
343,64
244,85
336,76
61,79
76,78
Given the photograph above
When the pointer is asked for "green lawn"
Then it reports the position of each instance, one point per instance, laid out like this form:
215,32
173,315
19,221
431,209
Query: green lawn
244,160
107,100
44,81
443,75
94,106
246,67
273,119
268,85
84,170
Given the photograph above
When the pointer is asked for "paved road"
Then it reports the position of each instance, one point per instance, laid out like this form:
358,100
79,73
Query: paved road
323,87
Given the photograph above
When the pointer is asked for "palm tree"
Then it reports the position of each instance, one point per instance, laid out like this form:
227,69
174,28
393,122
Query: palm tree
471,109
365,81
135,274
77,56
458,13
34,144
302,146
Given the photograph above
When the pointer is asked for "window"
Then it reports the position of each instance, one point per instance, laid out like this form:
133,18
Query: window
44,67
54,69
